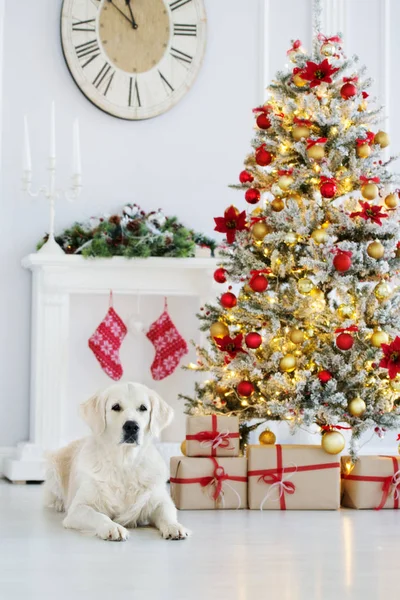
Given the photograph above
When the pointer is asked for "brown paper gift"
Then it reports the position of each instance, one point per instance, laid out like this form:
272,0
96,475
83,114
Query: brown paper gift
212,435
207,483
293,477
372,482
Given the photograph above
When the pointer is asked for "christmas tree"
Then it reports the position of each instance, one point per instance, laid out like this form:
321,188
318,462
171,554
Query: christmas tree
308,332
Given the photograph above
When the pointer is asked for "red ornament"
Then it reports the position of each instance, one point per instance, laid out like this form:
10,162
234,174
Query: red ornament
263,157
391,359
263,121
245,177
324,376
258,283
344,341
252,195
342,261
220,275
228,300
348,90
253,340
328,188
245,388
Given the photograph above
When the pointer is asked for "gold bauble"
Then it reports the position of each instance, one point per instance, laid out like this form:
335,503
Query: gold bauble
287,363
333,442
219,329
392,200
382,290
328,49
267,438
317,294
305,285
346,311
316,152
285,181
290,238
375,250
259,230
299,132
319,235
369,191
363,151
357,407
379,337
395,384
382,139
297,80
183,448
277,205
296,336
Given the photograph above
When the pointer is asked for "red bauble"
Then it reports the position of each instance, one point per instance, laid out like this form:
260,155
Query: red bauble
324,376
245,388
342,262
259,283
220,275
245,177
263,121
344,341
253,340
263,157
328,189
348,90
228,300
252,195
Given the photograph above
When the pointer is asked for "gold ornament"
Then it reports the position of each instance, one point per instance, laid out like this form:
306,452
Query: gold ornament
219,329
276,190
375,250
299,132
328,49
287,363
297,80
392,200
333,442
277,205
267,438
316,152
357,407
285,181
363,106
382,291
305,285
379,337
290,238
296,336
317,294
363,151
382,139
319,235
346,311
369,191
259,230
395,384
183,448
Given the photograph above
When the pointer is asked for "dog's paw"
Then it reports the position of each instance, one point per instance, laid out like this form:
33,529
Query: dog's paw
175,531
113,532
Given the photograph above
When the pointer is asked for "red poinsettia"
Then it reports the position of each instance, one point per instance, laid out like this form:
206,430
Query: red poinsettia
391,360
230,345
317,74
230,223
370,212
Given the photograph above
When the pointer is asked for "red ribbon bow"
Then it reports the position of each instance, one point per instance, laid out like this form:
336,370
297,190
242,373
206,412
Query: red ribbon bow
339,251
287,172
217,438
352,328
255,273
302,122
350,79
296,46
365,179
262,147
311,142
389,484
254,220
330,427
263,109
325,39
368,140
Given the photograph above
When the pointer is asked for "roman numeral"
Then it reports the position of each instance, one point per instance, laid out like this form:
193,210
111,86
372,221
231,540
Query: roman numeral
182,29
178,4
166,82
133,90
88,25
106,74
182,56
87,49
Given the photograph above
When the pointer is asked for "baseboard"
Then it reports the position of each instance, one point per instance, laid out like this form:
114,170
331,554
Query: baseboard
5,452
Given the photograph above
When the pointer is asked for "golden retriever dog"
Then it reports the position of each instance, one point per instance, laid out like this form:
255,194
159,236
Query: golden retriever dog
115,479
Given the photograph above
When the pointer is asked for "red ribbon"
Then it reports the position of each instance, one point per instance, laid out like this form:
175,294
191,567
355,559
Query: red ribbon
343,329
296,46
257,220
271,476
302,122
262,147
365,179
339,251
330,427
262,109
334,38
327,179
283,172
311,142
350,79
387,484
364,95
217,478
255,273
368,140
216,437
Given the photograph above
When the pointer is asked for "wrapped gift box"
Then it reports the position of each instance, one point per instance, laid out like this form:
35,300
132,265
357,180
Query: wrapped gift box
209,483
212,436
371,482
293,477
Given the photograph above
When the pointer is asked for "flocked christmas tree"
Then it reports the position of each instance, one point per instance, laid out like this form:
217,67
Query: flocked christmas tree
308,333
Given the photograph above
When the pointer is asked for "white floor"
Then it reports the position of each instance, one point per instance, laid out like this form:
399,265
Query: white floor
243,555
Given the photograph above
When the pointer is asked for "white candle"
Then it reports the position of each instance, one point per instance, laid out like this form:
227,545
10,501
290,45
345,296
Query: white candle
27,162
76,156
53,131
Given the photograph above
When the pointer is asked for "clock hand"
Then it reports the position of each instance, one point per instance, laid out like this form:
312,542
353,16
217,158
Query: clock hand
134,24
119,10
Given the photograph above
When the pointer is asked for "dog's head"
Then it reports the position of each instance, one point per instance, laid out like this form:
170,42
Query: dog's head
126,413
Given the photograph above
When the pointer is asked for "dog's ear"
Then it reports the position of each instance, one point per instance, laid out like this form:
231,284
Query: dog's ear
93,412
161,413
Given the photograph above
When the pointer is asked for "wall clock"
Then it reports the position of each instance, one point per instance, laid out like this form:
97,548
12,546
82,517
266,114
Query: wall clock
134,59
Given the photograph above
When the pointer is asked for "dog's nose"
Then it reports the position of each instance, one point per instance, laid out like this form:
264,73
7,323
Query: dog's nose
130,428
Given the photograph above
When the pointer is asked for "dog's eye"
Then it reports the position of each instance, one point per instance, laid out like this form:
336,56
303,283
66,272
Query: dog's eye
142,408
116,407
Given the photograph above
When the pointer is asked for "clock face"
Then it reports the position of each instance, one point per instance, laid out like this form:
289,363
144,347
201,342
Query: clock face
134,59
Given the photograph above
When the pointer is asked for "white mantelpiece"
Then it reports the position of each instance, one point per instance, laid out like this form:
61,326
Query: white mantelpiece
55,278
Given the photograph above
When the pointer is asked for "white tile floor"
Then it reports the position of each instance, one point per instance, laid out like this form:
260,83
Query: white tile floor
243,555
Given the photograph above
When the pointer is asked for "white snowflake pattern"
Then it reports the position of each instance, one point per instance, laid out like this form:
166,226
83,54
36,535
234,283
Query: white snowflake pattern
171,335
170,362
106,347
96,338
115,329
158,373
